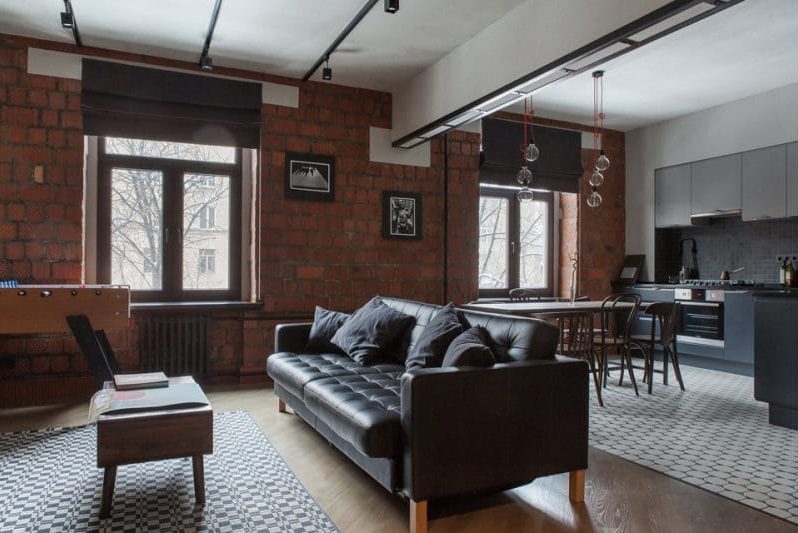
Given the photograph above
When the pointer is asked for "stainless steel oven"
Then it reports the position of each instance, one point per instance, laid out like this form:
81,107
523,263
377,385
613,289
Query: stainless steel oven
701,316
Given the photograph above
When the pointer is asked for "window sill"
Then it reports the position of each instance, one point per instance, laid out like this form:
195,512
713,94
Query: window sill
196,306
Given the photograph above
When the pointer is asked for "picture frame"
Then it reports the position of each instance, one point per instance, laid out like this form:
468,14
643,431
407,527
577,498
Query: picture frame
309,177
401,215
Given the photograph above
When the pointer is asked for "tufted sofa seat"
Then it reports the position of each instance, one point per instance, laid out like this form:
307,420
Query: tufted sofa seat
441,432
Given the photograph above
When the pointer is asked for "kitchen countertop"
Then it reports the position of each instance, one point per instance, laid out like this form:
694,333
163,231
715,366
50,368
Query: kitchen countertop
765,288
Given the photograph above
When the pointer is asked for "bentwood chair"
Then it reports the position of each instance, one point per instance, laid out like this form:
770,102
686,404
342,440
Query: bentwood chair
618,313
664,324
576,340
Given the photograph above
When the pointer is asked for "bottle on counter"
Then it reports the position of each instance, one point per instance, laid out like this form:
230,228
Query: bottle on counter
789,275
783,273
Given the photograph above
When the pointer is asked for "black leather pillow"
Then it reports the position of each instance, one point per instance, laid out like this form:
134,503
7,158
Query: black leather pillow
431,345
470,348
325,324
371,331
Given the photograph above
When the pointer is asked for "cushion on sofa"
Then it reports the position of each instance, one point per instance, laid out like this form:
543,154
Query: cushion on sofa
429,349
325,324
364,409
371,331
470,348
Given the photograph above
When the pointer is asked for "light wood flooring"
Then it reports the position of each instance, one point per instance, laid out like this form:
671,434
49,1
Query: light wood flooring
620,495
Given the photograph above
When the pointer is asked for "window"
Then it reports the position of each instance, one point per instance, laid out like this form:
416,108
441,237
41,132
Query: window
515,242
207,215
166,219
207,261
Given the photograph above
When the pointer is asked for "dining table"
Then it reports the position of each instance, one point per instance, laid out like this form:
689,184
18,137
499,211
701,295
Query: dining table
535,307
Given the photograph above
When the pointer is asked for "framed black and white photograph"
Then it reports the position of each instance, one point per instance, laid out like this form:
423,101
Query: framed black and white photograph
401,215
309,177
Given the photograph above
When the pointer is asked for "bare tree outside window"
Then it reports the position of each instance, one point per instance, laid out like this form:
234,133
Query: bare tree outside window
493,242
137,217
533,235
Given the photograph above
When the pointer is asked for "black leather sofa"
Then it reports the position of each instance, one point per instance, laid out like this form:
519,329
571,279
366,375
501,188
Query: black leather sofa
441,432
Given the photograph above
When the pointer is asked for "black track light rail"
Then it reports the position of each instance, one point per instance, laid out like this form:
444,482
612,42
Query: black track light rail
206,48
75,30
341,36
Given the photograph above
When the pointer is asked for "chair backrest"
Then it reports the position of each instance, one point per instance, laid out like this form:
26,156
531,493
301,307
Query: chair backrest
576,334
523,295
619,312
667,315
95,348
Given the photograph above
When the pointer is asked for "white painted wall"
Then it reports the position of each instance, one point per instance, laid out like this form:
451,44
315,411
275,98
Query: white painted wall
530,36
753,122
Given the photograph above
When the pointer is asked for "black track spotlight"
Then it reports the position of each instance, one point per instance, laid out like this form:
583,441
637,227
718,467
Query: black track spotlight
391,6
67,20
206,63
326,72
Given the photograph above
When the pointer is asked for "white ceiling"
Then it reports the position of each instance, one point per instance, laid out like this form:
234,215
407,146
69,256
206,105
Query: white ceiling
281,37
747,49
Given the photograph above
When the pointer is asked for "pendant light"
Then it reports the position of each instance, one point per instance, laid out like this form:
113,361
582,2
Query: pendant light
594,199
529,153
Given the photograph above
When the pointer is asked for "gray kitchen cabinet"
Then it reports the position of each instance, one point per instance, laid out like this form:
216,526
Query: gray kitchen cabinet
792,179
738,326
715,185
764,178
672,196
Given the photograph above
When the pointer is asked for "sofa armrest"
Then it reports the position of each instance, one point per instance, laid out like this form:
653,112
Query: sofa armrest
470,430
291,337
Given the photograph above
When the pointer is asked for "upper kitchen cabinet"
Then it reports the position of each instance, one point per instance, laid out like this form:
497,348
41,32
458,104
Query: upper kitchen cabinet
715,185
765,183
672,196
792,179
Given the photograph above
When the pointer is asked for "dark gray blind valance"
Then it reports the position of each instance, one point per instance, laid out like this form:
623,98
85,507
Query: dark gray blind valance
125,101
558,168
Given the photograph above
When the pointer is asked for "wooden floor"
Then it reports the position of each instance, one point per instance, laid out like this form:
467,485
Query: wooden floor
620,495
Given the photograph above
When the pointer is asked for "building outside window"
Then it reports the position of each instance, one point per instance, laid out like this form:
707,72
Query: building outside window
207,261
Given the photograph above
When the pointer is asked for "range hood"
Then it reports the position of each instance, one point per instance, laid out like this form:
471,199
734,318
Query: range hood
719,213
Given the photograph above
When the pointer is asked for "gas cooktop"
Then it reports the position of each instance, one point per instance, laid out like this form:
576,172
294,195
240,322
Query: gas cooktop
723,283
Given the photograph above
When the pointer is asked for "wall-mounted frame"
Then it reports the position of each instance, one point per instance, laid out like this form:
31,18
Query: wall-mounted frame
309,177
401,215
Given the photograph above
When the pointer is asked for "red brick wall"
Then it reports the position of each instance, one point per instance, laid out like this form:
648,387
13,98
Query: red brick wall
330,254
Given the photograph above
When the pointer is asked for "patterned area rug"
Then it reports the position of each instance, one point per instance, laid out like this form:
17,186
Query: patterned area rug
714,436
49,481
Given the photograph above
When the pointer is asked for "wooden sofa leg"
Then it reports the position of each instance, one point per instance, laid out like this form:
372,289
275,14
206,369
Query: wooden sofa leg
418,516
576,486
280,405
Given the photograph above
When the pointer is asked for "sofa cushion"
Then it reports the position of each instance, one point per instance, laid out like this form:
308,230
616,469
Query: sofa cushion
470,348
325,324
364,409
371,331
515,338
294,371
431,346
423,313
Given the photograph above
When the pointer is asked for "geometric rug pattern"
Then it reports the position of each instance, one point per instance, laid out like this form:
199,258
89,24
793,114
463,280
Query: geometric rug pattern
49,481
714,435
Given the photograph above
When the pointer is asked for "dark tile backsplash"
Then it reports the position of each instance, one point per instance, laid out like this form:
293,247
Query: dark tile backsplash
729,243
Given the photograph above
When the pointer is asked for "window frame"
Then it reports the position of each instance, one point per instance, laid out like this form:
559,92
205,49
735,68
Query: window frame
514,234
173,171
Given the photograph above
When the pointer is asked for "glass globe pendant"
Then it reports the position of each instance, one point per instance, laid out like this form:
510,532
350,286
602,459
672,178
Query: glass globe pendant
532,152
594,199
602,162
524,195
524,176
596,179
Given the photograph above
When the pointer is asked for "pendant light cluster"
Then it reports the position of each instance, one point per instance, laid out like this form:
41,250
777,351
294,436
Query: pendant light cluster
602,161
530,152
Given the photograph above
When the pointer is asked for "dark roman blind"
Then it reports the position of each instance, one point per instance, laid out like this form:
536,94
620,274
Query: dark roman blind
121,100
558,168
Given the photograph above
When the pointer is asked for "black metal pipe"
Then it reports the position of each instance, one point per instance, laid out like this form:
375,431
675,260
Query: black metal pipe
75,30
445,218
206,48
341,36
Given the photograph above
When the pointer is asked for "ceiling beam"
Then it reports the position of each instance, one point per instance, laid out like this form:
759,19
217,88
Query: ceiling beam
206,47
75,30
341,36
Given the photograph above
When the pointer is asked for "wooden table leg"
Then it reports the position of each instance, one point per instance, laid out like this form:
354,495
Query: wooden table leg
199,479
109,479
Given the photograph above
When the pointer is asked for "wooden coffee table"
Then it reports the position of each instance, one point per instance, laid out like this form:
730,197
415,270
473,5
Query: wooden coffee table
153,436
